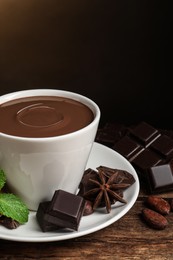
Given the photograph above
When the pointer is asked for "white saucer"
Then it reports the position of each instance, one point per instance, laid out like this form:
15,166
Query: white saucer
100,155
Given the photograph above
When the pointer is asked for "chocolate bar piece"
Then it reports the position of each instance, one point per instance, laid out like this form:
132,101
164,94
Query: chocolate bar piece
128,147
110,133
66,209
144,161
43,218
164,146
145,133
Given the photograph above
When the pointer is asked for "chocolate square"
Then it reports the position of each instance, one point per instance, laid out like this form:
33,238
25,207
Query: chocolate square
67,209
145,133
110,133
128,148
160,178
164,146
144,161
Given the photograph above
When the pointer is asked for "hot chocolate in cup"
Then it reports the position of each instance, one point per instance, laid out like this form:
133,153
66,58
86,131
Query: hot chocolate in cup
46,136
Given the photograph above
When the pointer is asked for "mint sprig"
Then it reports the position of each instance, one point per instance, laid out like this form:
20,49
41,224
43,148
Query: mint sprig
11,205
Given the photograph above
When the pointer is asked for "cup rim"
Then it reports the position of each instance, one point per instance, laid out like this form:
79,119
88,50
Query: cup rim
45,92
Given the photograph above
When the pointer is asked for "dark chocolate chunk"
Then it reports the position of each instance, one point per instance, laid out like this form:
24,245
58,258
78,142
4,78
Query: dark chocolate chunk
85,185
145,161
110,133
128,147
167,132
164,146
67,209
145,133
160,178
43,218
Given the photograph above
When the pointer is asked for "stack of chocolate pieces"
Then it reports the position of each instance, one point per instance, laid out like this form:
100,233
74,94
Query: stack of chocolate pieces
63,211
149,150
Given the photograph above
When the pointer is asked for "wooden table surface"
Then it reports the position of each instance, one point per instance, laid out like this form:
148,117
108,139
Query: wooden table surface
128,238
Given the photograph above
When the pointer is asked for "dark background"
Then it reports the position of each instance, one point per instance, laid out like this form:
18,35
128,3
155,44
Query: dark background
119,53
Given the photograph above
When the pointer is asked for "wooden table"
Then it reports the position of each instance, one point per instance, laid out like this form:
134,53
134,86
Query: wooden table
128,238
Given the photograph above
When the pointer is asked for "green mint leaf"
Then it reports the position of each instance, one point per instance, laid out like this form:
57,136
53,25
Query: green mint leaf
11,206
2,179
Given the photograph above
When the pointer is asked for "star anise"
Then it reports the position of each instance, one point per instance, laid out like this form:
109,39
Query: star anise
105,190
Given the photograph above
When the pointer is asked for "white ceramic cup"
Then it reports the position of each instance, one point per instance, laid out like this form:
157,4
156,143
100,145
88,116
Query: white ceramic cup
36,167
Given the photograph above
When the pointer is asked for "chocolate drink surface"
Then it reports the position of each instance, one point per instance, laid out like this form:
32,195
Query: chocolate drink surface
43,116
